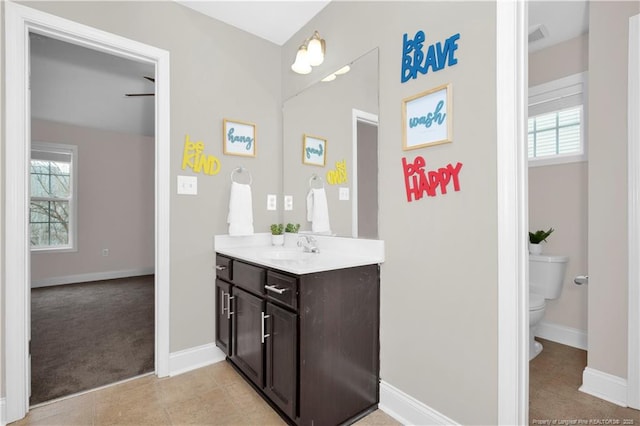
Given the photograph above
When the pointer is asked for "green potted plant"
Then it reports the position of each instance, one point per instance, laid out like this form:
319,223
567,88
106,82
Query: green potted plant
291,228
536,238
277,234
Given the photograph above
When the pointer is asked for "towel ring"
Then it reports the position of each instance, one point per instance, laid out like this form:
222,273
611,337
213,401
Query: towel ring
315,178
240,170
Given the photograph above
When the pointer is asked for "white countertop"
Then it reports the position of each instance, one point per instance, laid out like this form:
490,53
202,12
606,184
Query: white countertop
335,252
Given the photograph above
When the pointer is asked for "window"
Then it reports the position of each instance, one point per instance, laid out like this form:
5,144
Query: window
52,216
556,121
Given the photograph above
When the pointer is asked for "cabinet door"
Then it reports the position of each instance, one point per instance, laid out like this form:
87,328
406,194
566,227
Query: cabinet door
282,359
247,328
223,316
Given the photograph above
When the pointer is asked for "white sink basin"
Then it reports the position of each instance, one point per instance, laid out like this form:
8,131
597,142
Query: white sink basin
285,255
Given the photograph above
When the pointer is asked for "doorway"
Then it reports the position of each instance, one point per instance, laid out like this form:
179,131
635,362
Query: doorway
365,175
91,218
20,21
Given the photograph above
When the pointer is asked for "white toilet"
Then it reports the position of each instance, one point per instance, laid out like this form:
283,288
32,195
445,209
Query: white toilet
546,277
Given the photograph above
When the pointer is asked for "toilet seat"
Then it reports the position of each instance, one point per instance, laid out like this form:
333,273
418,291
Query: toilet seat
536,302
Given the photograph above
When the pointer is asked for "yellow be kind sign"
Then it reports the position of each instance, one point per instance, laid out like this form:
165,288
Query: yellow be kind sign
194,158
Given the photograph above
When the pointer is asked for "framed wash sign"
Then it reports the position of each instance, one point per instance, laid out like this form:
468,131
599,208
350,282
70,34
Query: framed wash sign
239,138
314,150
427,119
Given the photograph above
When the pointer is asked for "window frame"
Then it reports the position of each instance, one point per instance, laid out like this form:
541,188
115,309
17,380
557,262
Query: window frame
72,150
551,97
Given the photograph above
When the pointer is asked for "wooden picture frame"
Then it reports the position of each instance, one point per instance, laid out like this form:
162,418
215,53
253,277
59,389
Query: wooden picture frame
314,150
238,138
427,118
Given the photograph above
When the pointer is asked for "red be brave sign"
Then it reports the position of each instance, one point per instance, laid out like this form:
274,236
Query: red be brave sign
418,180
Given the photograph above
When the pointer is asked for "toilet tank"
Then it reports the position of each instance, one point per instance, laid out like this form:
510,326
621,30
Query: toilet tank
546,275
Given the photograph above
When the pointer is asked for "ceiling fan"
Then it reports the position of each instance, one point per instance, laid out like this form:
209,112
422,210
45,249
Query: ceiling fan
151,79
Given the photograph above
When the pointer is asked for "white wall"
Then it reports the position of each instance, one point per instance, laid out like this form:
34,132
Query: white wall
439,281
558,193
217,72
608,279
115,204
2,246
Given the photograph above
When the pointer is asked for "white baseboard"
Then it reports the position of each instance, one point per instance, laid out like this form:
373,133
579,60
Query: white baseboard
561,334
408,410
3,416
96,276
604,386
192,358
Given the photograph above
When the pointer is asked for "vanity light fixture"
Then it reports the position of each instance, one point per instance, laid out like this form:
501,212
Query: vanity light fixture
316,48
301,65
311,53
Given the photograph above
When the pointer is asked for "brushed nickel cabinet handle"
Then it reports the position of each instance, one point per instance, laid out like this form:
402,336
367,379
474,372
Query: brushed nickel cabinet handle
264,321
221,267
275,289
229,313
222,308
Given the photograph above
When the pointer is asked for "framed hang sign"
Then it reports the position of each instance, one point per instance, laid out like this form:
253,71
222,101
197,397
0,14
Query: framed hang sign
314,150
238,138
427,118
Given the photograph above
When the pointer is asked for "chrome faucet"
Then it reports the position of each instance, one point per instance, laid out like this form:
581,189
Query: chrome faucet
308,244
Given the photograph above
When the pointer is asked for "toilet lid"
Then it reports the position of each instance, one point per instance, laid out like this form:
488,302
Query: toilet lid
535,301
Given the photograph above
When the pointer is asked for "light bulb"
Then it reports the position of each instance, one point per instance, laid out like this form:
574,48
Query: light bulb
301,65
315,49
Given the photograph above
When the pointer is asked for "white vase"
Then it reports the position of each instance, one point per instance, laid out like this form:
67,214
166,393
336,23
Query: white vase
277,240
535,248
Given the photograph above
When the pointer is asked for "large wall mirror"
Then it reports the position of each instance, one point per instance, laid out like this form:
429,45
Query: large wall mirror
344,113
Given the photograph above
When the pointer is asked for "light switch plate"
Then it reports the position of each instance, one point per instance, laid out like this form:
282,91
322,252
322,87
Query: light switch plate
288,202
188,185
272,202
343,194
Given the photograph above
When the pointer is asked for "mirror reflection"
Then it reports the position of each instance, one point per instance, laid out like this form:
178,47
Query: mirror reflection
343,170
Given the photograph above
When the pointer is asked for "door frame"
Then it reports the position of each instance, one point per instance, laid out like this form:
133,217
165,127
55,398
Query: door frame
367,117
19,22
512,220
633,153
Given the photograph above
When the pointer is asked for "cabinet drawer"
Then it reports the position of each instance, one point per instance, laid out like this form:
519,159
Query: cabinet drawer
282,288
223,267
249,277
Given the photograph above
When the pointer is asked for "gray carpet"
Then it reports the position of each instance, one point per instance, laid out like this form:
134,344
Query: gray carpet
89,335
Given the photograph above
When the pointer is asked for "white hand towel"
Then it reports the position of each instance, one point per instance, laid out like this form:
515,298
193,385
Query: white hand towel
240,218
318,210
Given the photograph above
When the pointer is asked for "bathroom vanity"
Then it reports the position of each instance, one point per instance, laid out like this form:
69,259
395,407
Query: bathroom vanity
302,328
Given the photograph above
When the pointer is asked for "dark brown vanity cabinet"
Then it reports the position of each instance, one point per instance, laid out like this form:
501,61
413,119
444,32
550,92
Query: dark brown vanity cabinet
309,343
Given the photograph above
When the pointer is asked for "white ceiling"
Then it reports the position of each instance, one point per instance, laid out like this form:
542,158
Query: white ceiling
275,21
564,20
75,85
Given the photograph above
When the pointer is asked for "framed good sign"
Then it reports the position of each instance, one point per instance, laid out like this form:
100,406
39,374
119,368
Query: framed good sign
427,118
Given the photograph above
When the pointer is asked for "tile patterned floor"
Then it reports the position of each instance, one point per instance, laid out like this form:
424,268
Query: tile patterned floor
213,395
217,395
554,378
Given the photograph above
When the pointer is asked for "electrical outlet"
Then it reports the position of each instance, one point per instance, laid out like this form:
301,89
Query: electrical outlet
272,202
105,252
288,202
